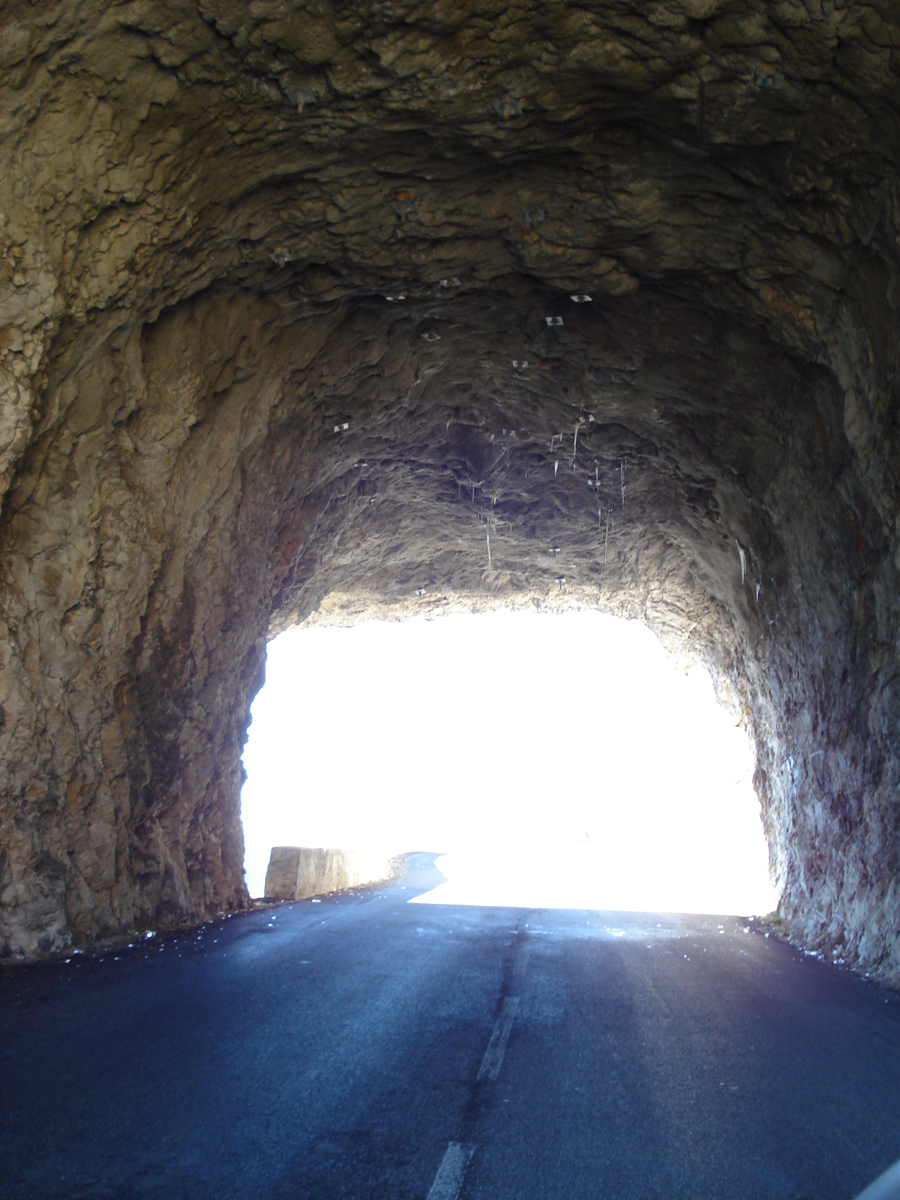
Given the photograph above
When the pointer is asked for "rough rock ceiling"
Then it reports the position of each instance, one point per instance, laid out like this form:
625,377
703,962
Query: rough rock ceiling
294,319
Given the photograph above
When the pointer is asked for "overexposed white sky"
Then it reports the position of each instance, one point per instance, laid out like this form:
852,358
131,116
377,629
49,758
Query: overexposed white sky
554,759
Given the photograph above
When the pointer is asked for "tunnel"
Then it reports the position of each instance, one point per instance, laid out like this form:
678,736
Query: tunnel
396,309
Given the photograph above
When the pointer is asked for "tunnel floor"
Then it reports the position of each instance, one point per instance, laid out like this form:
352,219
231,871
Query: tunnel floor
362,1046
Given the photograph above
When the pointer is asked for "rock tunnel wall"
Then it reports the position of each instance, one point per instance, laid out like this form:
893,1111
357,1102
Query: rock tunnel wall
274,289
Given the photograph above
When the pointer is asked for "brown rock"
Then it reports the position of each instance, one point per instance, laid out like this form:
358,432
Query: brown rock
199,227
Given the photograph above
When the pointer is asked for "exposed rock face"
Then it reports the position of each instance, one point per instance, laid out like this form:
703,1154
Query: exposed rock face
274,289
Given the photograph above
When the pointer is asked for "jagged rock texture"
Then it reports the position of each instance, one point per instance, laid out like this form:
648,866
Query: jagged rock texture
274,282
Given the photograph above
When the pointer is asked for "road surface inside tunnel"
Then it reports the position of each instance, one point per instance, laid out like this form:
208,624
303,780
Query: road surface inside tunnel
362,1046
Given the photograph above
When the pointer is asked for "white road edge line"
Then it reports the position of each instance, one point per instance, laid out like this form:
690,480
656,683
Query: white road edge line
450,1173
493,1056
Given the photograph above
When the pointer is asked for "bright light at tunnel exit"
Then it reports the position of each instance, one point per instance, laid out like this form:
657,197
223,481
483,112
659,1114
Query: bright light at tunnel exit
553,761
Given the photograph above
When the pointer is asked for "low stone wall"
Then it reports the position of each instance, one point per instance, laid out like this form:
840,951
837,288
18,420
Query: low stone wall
296,873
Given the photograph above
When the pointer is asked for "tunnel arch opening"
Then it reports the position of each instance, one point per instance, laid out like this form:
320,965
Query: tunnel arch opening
551,759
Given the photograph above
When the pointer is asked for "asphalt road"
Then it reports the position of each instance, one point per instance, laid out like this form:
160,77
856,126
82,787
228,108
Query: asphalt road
366,1047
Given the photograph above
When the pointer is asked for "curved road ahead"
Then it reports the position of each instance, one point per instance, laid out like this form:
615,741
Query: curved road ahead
367,1047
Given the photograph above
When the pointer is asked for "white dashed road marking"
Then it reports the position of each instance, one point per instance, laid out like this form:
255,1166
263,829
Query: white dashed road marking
450,1173
521,963
493,1056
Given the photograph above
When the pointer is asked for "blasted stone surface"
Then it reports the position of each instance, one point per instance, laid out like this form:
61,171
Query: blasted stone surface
298,872
275,282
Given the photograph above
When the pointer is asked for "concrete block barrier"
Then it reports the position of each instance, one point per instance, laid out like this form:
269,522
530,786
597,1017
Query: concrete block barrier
298,872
